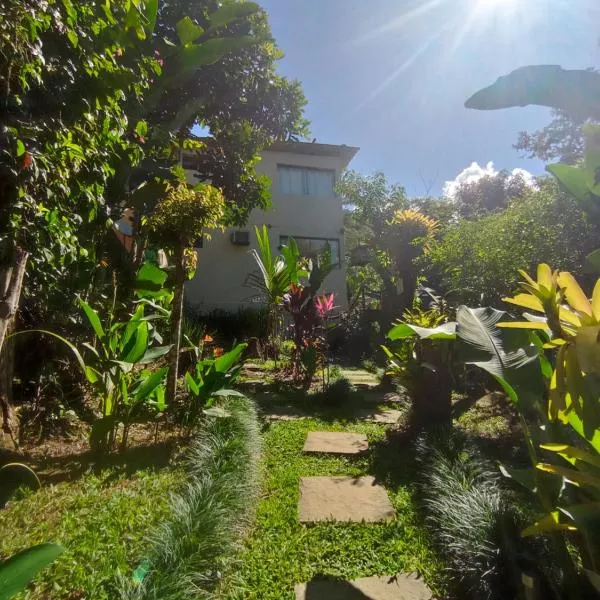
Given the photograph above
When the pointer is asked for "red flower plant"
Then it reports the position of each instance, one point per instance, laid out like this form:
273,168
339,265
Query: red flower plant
324,304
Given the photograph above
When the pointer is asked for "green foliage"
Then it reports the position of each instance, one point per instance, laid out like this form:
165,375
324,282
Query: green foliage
14,476
281,551
185,213
116,372
470,516
17,571
209,514
479,259
102,521
211,377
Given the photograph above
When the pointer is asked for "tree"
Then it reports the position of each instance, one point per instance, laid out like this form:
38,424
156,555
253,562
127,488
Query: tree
562,140
479,259
490,193
181,217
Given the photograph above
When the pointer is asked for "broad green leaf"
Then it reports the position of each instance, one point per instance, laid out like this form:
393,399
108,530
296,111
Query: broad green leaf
149,281
153,353
230,12
446,331
592,157
584,516
577,424
575,477
573,454
594,578
20,148
93,318
17,571
524,477
141,128
225,362
135,342
188,31
548,524
572,179
194,56
587,349
150,384
191,383
150,14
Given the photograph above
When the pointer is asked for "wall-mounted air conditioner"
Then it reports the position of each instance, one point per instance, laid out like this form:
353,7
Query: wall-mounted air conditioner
240,238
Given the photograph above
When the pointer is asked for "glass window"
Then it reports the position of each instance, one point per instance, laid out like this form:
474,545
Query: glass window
312,247
302,181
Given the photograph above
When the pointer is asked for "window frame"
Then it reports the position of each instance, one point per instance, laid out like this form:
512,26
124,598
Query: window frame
304,169
337,264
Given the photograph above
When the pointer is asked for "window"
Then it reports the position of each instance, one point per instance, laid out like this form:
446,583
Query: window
302,181
312,247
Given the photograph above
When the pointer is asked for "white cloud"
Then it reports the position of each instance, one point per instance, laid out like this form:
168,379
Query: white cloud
475,172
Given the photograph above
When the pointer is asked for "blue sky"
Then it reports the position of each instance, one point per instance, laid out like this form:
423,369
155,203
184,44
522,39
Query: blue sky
391,76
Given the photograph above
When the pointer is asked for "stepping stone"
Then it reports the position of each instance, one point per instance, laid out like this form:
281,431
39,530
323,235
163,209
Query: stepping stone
399,587
336,442
388,417
348,499
284,413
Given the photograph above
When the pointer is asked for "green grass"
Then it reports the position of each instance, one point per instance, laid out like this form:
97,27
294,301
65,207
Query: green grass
281,552
102,522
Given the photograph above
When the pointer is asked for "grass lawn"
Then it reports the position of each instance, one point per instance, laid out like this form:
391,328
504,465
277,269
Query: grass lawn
101,520
281,552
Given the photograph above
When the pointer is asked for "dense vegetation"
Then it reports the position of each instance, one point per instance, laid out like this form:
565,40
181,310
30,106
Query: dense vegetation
130,458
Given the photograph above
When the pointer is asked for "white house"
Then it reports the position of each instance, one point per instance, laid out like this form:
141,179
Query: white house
304,206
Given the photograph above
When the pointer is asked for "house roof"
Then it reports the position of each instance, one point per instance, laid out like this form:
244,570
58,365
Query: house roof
346,153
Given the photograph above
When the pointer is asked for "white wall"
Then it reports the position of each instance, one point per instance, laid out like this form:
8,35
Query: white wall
220,280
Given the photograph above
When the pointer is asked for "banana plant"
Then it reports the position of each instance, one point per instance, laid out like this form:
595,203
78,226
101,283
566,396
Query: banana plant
119,352
211,378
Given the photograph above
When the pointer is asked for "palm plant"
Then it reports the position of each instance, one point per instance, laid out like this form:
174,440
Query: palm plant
276,274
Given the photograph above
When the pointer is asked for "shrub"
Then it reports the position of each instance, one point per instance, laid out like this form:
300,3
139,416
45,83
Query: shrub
190,550
480,258
339,392
469,515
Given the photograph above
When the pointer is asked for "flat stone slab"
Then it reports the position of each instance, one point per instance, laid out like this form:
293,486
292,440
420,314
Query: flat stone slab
284,413
387,417
399,587
348,499
336,442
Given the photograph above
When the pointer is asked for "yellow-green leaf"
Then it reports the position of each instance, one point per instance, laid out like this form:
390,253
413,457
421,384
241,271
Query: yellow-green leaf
523,325
596,301
573,454
544,275
574,294
548,524
587,346
526,301
574,477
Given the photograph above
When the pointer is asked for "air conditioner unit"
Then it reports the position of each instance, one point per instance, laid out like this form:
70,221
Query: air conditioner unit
240,238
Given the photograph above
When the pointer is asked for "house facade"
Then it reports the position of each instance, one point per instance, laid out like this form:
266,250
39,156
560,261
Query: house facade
303,206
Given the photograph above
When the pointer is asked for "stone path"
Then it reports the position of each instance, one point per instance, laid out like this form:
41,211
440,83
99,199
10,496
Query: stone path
336,442
345,499
399,587
386,416
351,499
360,378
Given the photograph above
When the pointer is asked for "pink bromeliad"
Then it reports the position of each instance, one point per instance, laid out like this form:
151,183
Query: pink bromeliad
324,304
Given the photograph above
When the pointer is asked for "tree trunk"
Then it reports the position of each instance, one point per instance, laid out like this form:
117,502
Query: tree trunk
11,283
176,320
